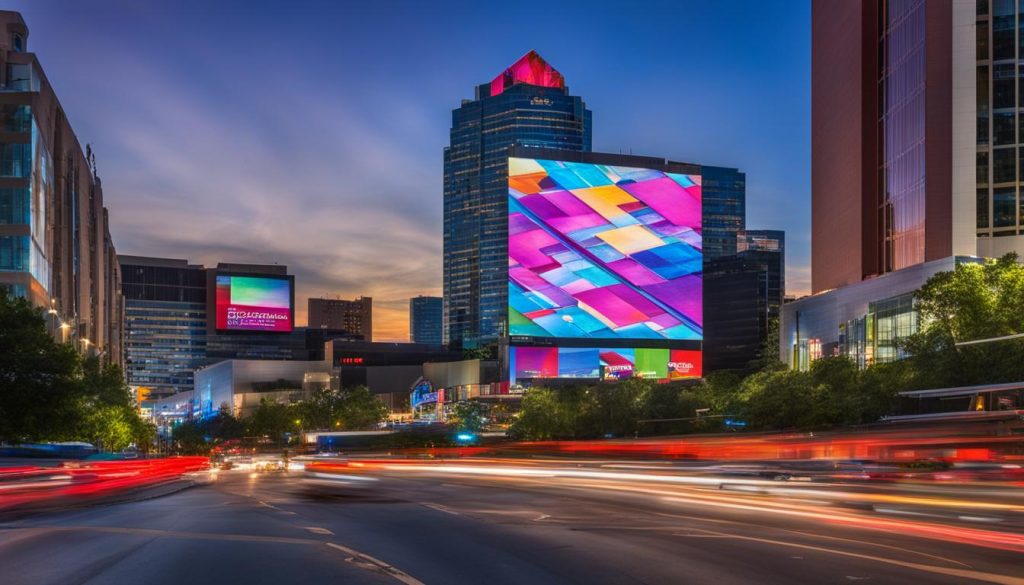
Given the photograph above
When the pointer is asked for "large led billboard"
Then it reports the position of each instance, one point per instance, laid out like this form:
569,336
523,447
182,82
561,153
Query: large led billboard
603,252
539,362
254,303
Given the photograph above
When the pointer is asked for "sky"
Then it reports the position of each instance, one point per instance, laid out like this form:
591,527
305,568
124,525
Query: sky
310,133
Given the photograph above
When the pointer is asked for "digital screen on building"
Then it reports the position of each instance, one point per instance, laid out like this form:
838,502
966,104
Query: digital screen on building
254,303
604,252
530,363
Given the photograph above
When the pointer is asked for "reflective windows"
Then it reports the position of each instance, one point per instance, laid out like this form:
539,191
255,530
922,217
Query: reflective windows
1004,207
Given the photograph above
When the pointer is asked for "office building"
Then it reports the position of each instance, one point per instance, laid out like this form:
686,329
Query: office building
864,322
527,105
893,134
165,323
426,319
354,317
55,245
767,247
724,200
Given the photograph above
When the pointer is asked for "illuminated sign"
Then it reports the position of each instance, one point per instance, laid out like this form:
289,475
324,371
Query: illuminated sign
603,252
603,363
350,361
253,303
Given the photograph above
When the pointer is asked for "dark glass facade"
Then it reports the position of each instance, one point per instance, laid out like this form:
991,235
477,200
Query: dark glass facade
724,204
165,323
426,317
1000,136
735,311
769,248
512,110
902,127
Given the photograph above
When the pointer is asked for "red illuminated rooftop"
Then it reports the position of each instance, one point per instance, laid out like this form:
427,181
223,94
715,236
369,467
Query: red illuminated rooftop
531,69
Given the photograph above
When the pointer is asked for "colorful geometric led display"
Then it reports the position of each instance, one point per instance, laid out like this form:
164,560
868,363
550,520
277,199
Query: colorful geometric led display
603,252
604,363
254,303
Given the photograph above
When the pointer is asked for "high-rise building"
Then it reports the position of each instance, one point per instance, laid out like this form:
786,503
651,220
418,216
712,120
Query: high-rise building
55,245
724,193
354,317
893,129
999,30
737,310
426,318
527,105
165,323
767,247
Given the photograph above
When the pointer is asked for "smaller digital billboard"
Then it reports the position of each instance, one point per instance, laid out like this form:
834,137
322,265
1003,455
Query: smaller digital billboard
528,362
254,303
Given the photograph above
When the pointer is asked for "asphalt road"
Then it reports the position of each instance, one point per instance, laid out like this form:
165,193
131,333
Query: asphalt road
453,528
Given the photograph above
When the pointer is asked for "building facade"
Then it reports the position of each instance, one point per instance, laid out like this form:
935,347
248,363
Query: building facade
893,131
426,320
354,317
724,192
863,321
526,105
55,244
767,247
165,323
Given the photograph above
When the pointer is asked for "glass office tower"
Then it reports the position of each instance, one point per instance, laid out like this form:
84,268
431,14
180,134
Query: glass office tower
527,105
165,323
426,317
724,192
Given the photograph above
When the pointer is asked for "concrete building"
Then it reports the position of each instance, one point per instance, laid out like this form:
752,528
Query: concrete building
862,321
354,318
240,384
55,244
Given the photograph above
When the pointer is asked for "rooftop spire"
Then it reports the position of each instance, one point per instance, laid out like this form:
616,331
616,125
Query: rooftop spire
531,69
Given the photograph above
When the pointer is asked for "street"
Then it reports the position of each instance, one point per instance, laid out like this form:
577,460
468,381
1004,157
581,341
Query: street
525,525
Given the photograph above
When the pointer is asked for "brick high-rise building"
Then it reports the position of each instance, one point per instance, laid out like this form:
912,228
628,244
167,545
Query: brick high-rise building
354,317
55,245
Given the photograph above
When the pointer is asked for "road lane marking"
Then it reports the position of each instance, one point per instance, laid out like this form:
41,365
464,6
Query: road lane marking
365,560
318,530
440,508
963,573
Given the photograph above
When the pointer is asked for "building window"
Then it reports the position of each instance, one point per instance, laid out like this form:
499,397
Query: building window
1004,131
14,206
18,42
1004,78
14,253
982,7
983,208
15,160
1004,30
982,40
1004,165
1004,207
15,118
982,166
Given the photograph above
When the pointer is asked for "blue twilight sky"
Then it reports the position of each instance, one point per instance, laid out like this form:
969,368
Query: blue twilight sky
310,133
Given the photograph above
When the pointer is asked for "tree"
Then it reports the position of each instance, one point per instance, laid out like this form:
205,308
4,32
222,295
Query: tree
468,416
973,301
272,419
39,390
360,409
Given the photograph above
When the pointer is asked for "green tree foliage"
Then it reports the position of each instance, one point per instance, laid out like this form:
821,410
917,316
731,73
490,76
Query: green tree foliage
48,392
349,409
273,420
39,391
974,301
468,416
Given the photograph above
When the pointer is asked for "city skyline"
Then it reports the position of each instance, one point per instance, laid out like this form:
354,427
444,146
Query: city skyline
189,170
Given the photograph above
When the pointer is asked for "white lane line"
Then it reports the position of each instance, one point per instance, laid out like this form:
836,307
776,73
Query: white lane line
365,559
318,530
440,508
